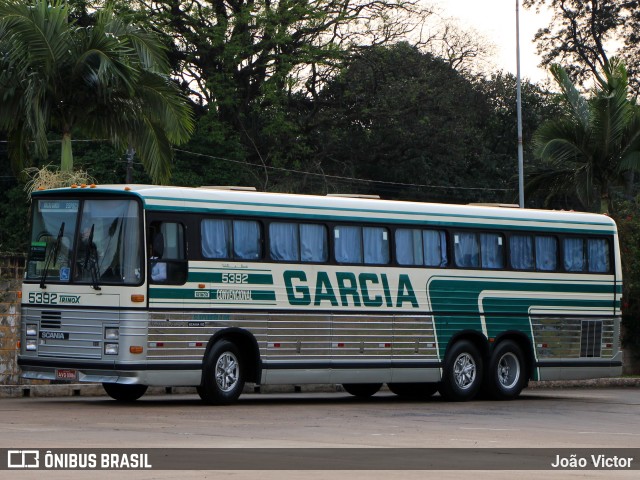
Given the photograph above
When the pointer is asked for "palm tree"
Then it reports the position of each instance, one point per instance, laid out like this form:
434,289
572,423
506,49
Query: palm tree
591,148
109,80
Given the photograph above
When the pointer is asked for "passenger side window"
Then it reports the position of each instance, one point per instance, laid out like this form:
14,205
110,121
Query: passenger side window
368,245
231,239
521,249
466,250
298,242
598,255
574,255
546,253
421,247
492,250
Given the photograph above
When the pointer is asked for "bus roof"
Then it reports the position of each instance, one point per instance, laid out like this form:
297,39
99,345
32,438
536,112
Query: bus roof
346,208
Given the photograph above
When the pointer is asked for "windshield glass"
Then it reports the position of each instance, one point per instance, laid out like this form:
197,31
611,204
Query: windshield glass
105,249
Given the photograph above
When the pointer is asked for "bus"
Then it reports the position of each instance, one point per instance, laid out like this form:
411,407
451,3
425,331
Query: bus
139,285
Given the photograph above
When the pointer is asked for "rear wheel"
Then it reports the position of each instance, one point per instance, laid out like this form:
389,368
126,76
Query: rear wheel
462,372
413,390
222,374
506,373
362,390
123,392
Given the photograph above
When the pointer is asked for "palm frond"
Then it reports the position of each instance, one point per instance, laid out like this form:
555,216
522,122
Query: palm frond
578,104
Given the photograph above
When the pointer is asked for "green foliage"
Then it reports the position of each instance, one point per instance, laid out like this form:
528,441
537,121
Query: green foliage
400,115
628,220
105,80
594,144
14,220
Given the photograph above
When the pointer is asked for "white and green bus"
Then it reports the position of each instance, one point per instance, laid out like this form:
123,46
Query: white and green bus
133,286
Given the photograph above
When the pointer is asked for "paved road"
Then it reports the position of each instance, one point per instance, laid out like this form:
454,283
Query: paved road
572,418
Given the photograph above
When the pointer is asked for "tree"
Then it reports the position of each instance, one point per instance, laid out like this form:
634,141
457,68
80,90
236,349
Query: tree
584,34
396,114
105,80
594,142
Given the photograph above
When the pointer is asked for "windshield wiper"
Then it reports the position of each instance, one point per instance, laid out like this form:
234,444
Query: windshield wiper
53,254
91,259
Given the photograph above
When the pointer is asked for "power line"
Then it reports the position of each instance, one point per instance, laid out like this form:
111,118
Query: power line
315,174
340,177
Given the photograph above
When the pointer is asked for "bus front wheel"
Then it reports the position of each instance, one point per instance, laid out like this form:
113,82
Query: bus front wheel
462,372
123,392
506,377
222,375
362,390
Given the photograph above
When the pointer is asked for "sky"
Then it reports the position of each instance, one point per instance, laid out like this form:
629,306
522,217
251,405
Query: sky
496,20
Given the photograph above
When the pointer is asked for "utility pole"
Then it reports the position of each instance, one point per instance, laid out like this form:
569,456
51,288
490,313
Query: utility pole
519,110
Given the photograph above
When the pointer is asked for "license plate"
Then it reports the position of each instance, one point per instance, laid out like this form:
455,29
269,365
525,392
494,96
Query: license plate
66,374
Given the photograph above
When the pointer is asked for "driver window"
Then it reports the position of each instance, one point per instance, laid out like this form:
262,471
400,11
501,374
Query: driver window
166,247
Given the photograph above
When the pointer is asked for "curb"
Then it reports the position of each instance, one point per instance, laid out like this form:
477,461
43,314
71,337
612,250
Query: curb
94,389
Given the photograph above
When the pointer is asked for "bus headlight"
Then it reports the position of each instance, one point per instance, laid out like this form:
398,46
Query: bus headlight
111,333
32,345
32,330
110,348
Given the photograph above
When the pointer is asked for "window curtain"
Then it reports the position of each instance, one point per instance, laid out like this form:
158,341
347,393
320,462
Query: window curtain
435,248
348,244
409,246
466,251
492,247
376,245
598,254
216,238
521,247
313,243
574,255
246,240
284,242
546,254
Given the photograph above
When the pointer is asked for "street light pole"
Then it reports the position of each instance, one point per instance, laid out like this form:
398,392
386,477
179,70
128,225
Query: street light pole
519,111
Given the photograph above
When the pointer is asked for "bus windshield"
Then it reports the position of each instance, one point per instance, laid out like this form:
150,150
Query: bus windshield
89,241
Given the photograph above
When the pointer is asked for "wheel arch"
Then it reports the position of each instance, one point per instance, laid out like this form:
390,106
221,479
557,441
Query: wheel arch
248,347
475,337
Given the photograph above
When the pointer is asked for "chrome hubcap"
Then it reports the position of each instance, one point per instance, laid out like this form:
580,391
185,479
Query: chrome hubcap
227,371
464,371
508,370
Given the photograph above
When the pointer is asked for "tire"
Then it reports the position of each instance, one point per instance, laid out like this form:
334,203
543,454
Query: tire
361,390
420,391
222,374
124,393
506,375
462,372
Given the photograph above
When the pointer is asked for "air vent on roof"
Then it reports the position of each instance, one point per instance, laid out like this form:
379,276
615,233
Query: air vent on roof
353,195
229,187
501,205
